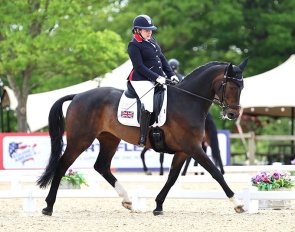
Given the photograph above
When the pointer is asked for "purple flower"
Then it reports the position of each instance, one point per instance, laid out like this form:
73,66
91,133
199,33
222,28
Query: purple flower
264,175
258,178
276,175
253,180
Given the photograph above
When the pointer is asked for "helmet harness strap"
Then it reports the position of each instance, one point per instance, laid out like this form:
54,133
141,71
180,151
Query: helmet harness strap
137,31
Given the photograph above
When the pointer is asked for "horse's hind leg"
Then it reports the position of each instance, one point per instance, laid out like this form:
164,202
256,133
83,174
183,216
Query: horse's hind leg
188,160
161,163
70,155
108,147
142,156
216,153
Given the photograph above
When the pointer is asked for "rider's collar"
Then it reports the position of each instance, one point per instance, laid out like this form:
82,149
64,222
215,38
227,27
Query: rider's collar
137,37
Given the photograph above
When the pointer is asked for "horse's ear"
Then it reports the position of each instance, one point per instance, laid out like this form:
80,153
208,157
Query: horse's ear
230,71
243,64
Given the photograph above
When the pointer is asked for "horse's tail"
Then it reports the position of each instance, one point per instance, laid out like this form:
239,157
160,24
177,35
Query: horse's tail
56,126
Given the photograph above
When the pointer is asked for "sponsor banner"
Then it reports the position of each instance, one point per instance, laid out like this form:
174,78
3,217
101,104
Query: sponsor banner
32,151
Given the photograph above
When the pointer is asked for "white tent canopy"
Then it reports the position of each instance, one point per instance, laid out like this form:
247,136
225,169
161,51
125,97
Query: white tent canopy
271,93
118,77
9,98
38,105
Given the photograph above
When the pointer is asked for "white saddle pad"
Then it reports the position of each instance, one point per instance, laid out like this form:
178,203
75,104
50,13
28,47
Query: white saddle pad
127,111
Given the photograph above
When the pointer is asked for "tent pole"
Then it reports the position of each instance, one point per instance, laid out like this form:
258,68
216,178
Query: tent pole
242,134
292,129
1,107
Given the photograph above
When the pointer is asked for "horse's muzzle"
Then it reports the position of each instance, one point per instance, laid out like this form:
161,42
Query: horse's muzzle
231,115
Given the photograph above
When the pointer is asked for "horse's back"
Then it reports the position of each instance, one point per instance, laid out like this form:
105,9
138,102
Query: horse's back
94,102
96,97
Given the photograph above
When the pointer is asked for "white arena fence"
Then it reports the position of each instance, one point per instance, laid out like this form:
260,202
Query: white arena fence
17,179
249,195
245,169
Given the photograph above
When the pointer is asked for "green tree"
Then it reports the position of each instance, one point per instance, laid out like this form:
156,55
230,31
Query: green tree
56,40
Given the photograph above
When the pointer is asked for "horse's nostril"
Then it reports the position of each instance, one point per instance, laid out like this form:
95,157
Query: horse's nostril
231,115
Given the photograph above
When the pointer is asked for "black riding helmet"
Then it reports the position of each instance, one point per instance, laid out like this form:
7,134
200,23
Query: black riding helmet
174,64
144,22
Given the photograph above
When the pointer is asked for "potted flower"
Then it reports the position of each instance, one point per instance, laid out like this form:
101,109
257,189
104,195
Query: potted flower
72,180
273,181
292,172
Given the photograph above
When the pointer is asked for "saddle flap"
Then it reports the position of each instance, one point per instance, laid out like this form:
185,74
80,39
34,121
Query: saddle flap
129,107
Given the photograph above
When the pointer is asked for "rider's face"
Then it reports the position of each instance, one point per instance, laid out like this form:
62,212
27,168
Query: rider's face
146,34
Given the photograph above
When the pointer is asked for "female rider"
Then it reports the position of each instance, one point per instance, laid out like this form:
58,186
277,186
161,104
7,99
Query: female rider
149,68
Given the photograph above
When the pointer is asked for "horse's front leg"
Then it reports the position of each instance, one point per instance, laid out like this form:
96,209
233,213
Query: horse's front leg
177,162
205,162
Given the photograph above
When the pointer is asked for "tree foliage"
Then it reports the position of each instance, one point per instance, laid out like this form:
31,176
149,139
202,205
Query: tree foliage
50,39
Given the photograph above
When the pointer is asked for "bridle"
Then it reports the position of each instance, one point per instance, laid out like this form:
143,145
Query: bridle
239,81
220,102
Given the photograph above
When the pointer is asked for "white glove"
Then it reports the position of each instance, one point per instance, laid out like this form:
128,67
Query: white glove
175,78
161,80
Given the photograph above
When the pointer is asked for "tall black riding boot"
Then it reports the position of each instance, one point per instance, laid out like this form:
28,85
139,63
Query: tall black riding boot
144,126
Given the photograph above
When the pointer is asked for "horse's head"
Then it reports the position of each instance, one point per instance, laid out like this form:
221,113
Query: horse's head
229,90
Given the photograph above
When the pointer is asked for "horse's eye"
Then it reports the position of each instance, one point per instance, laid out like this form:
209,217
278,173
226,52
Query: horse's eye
232,87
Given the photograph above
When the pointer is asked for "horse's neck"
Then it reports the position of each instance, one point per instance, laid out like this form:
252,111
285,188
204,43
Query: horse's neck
199,86
190,99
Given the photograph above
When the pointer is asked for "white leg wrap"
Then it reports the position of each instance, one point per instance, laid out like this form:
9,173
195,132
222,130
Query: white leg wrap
236,201
122,192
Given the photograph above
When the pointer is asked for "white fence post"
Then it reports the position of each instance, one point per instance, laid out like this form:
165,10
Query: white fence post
138,202
250,205
29,203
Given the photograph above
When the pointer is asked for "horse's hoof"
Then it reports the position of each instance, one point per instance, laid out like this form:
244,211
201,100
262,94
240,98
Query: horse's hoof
127,205
135,211
148,173
157,213
47,212
239,209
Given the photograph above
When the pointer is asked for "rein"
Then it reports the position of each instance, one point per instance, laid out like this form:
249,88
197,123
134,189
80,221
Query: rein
218,102
215,101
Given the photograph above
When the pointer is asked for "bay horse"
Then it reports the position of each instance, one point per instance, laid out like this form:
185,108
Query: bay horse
211,139
93,115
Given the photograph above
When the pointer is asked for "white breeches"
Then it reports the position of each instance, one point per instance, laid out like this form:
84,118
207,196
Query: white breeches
145,91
